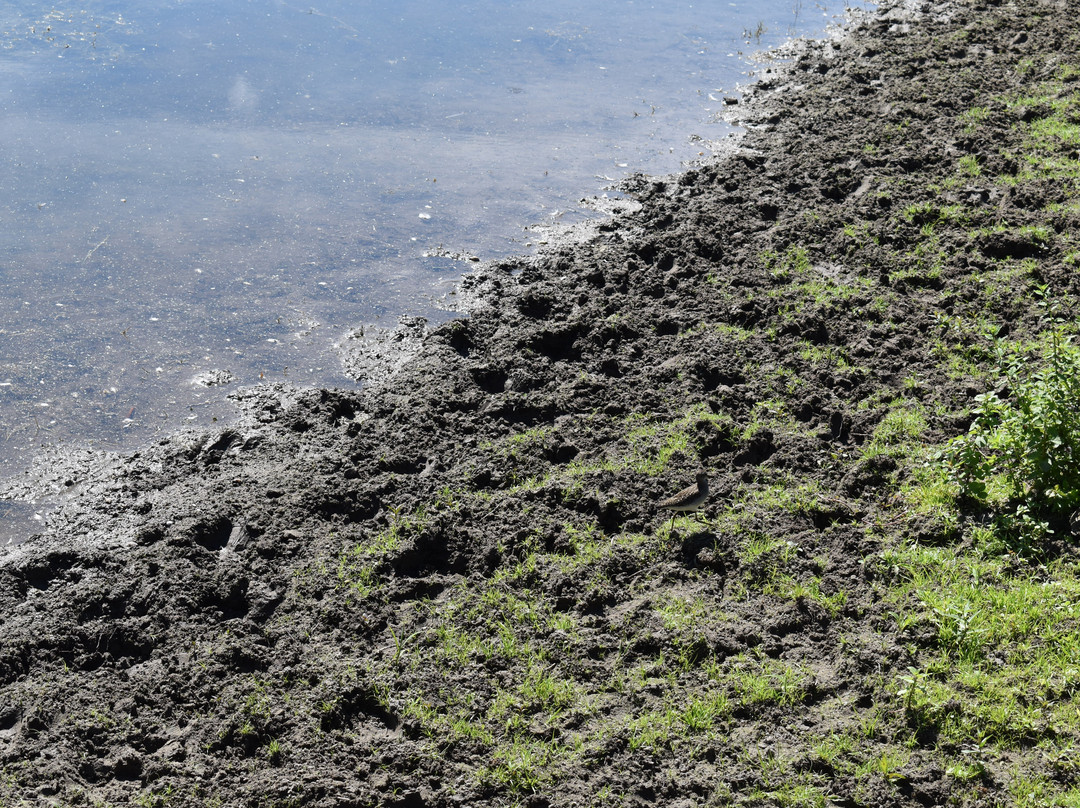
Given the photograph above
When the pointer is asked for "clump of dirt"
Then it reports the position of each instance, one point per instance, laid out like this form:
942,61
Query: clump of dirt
454,587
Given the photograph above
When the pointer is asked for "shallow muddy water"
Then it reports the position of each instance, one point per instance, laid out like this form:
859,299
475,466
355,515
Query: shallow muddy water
217,192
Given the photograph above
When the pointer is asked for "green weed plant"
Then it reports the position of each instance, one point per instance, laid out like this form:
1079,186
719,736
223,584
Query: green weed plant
1021,455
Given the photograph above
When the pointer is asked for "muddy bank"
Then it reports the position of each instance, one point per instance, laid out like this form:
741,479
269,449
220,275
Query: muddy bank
453,588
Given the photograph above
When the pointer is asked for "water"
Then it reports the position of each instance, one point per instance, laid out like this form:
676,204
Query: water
220,190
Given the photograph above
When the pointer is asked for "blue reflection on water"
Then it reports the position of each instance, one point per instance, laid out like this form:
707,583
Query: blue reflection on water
189,185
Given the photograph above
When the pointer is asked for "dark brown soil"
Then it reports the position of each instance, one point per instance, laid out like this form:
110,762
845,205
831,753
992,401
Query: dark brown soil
453,588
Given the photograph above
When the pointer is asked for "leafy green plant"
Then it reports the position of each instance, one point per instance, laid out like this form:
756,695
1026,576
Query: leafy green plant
913,692
888,765
1021,454
970,767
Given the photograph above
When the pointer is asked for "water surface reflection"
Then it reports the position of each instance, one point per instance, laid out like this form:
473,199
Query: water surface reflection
196,186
